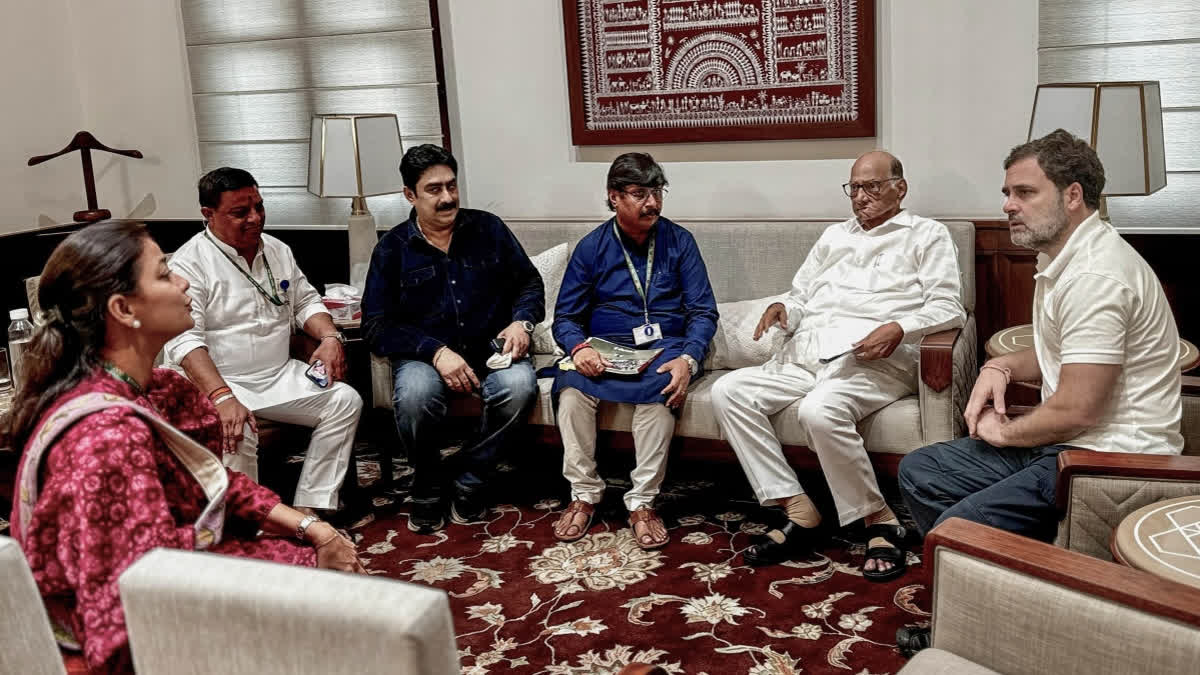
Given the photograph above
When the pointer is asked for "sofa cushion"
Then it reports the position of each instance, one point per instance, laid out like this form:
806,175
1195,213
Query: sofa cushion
733,345
552,265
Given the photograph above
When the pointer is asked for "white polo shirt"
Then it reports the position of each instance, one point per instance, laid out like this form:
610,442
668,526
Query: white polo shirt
1099,302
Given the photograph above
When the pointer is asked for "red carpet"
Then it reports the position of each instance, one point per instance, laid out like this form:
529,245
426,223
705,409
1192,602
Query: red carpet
525,603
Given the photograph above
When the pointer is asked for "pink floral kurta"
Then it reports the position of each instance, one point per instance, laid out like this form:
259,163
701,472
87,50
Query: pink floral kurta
111,491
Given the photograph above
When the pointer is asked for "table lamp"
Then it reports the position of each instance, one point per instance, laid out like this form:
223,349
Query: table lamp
1122,121
356,156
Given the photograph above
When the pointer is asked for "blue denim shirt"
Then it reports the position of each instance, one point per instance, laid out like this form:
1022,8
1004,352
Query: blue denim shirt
418,298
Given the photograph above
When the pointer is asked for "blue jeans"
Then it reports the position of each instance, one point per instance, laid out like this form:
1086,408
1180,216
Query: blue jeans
419,401
1008,488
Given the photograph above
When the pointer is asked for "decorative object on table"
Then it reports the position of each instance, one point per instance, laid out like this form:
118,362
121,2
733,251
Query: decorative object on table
1122,121
85,142
1017,338
356,156
659,72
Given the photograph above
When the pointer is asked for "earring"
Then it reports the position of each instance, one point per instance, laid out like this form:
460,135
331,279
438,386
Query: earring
137,324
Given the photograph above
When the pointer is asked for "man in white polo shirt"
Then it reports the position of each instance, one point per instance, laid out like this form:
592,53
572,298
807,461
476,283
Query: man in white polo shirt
1105,350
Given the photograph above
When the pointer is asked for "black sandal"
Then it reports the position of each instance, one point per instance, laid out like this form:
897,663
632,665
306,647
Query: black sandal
911,640
797,542
894,554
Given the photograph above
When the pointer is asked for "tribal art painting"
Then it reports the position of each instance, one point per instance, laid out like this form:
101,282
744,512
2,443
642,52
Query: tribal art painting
669,71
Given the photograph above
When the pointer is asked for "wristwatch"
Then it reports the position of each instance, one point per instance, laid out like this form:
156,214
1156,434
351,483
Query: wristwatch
693,367
302,528
528,326
337,335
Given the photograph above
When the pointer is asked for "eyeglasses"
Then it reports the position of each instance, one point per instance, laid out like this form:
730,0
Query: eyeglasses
640,195
872,187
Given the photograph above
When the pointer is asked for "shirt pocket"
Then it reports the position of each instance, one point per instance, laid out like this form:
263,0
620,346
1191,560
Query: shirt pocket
420,295
891,270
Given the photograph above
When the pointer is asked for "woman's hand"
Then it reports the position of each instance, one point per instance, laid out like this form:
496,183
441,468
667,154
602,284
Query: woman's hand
336,552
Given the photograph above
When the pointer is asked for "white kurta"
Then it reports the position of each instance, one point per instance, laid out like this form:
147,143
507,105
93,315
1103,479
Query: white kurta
246,335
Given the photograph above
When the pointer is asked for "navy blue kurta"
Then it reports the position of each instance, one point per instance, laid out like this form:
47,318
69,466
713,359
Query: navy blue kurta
598,299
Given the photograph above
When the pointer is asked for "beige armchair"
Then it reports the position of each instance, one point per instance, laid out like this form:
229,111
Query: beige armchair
197,613
1007,604
1096,490
26,640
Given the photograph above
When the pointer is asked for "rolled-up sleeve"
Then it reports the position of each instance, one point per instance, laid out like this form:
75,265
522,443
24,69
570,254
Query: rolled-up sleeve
305,299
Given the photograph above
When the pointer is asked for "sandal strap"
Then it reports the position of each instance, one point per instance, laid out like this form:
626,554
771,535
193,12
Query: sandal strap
580,506
894,534
886,554
643,514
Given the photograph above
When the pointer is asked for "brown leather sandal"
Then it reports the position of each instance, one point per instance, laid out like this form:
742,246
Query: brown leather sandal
645,514
574,508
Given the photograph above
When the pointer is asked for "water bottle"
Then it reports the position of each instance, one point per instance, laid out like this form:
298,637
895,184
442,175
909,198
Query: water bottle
20,332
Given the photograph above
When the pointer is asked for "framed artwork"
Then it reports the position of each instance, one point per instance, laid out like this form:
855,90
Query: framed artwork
675,71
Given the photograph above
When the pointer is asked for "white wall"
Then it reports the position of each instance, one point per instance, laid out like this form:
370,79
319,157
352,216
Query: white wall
129,88
956,82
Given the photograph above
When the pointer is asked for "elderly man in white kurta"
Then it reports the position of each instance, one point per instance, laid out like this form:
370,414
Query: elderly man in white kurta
869,289
248,297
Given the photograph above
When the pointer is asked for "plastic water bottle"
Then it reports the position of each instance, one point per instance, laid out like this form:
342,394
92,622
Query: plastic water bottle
20,332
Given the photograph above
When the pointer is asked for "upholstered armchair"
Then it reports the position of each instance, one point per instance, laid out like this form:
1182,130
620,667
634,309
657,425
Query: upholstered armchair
1007,604
190,612
26,641
1097,490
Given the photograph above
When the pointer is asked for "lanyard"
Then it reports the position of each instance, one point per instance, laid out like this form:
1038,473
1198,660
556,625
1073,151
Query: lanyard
637,283
121,375
272,297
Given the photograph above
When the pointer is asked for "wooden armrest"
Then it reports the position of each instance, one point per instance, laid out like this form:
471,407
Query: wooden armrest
1191,385
937,358
1085,574
1073,463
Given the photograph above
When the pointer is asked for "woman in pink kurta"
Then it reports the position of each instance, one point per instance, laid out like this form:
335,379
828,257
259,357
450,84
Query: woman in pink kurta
108,488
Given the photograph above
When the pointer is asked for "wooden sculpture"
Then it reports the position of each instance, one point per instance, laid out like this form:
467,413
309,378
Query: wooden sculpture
84,142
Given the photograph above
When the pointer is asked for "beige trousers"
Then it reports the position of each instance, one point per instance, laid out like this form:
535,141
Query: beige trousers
333,416
832,401
653,426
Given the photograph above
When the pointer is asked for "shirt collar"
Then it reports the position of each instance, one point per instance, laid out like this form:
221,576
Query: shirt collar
903,219
1051,269
414,232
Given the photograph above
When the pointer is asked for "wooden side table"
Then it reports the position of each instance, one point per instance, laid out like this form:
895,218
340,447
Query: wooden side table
1162,539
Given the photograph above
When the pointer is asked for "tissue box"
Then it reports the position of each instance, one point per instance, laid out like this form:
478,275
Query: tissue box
344,309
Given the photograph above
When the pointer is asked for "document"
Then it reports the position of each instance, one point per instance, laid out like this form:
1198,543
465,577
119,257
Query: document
624,360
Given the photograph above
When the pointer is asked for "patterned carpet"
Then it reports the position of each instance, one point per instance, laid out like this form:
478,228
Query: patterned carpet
526,603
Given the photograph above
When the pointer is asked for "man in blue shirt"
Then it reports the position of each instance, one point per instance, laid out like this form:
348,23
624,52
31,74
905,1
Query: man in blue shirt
637,280
442,285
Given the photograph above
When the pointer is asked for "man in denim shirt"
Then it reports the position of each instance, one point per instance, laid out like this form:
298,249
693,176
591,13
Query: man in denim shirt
442,285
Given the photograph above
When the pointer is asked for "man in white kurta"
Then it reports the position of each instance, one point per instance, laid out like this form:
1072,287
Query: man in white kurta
248,297
869,290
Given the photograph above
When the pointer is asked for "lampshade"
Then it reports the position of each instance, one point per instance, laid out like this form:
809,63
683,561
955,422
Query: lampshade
1122,121
354,155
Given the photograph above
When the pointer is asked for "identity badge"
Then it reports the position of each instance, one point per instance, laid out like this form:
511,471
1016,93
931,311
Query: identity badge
647,333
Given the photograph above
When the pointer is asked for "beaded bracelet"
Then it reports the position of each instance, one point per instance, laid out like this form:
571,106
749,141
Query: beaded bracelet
218,392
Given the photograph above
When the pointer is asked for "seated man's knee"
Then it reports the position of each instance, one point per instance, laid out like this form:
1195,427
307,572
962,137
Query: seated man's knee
516,385
418,390
346,400
572,400
821,417
915,469
726,392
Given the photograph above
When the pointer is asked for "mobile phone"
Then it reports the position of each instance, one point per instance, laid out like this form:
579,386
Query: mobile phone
316,372
498,345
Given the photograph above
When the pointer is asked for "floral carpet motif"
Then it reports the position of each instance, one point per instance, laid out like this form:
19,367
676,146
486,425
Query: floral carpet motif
524,602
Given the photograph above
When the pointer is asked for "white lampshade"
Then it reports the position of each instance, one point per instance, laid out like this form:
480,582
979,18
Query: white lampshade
354,156
1122,121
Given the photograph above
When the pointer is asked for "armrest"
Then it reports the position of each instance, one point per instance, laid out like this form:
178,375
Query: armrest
937,358
1191,385
1073,463
1116,583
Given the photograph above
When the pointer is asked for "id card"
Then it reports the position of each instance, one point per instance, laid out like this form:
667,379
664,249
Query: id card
647,333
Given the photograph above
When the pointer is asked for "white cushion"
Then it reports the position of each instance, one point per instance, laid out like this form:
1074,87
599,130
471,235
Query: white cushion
552,265
733,345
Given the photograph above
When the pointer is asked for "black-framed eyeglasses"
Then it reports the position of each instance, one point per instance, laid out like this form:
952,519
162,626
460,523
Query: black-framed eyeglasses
641,194
872,186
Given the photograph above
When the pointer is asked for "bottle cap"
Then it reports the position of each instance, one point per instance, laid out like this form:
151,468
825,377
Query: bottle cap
15,314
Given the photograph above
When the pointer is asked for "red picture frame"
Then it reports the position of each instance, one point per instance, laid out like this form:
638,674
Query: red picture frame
678,71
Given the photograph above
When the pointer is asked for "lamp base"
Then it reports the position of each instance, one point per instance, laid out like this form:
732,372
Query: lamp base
363,237
92,216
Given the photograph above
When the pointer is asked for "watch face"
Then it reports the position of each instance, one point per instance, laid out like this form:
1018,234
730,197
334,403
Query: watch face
528,326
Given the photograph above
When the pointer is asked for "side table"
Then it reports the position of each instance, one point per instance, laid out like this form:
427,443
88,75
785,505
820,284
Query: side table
1163,539
1018,338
